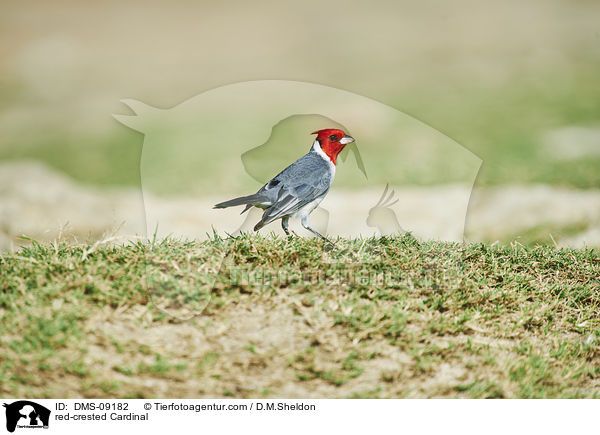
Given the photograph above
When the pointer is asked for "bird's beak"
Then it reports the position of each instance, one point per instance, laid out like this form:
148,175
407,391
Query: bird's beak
346,140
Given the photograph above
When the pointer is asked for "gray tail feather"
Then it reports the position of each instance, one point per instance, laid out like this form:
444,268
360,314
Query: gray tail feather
242,200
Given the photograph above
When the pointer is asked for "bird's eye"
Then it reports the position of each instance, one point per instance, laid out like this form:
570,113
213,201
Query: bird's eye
333,137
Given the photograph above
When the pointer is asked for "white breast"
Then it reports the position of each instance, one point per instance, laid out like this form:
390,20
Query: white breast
317,148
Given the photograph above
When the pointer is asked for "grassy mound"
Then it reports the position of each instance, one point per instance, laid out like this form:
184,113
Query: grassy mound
263,317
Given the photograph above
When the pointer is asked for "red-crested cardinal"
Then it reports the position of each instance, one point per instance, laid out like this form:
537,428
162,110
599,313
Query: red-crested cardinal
298,189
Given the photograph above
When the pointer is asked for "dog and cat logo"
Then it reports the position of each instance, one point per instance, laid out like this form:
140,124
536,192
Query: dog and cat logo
25,414
181,145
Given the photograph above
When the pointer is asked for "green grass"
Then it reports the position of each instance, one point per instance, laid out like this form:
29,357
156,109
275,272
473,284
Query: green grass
262,317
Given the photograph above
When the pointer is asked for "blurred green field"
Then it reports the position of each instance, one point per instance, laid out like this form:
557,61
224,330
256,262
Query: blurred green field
504,127
495,78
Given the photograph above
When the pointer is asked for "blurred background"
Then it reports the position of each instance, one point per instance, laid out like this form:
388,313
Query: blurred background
516,83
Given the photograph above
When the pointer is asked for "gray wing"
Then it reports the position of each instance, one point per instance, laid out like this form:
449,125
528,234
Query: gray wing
305,180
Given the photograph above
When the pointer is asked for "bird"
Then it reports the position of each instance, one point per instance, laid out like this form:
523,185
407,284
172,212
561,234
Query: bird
297,190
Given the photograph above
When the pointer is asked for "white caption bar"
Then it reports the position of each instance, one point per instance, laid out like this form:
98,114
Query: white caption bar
276,416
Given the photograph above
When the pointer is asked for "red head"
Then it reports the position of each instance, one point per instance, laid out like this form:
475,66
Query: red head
332,141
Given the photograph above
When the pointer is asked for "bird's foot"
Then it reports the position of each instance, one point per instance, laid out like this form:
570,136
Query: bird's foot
329,245
290,235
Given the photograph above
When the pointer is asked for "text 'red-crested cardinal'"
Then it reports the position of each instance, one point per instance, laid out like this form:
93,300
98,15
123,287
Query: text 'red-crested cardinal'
298,189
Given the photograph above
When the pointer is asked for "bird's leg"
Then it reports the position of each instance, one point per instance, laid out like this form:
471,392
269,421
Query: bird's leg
305,225
285,225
